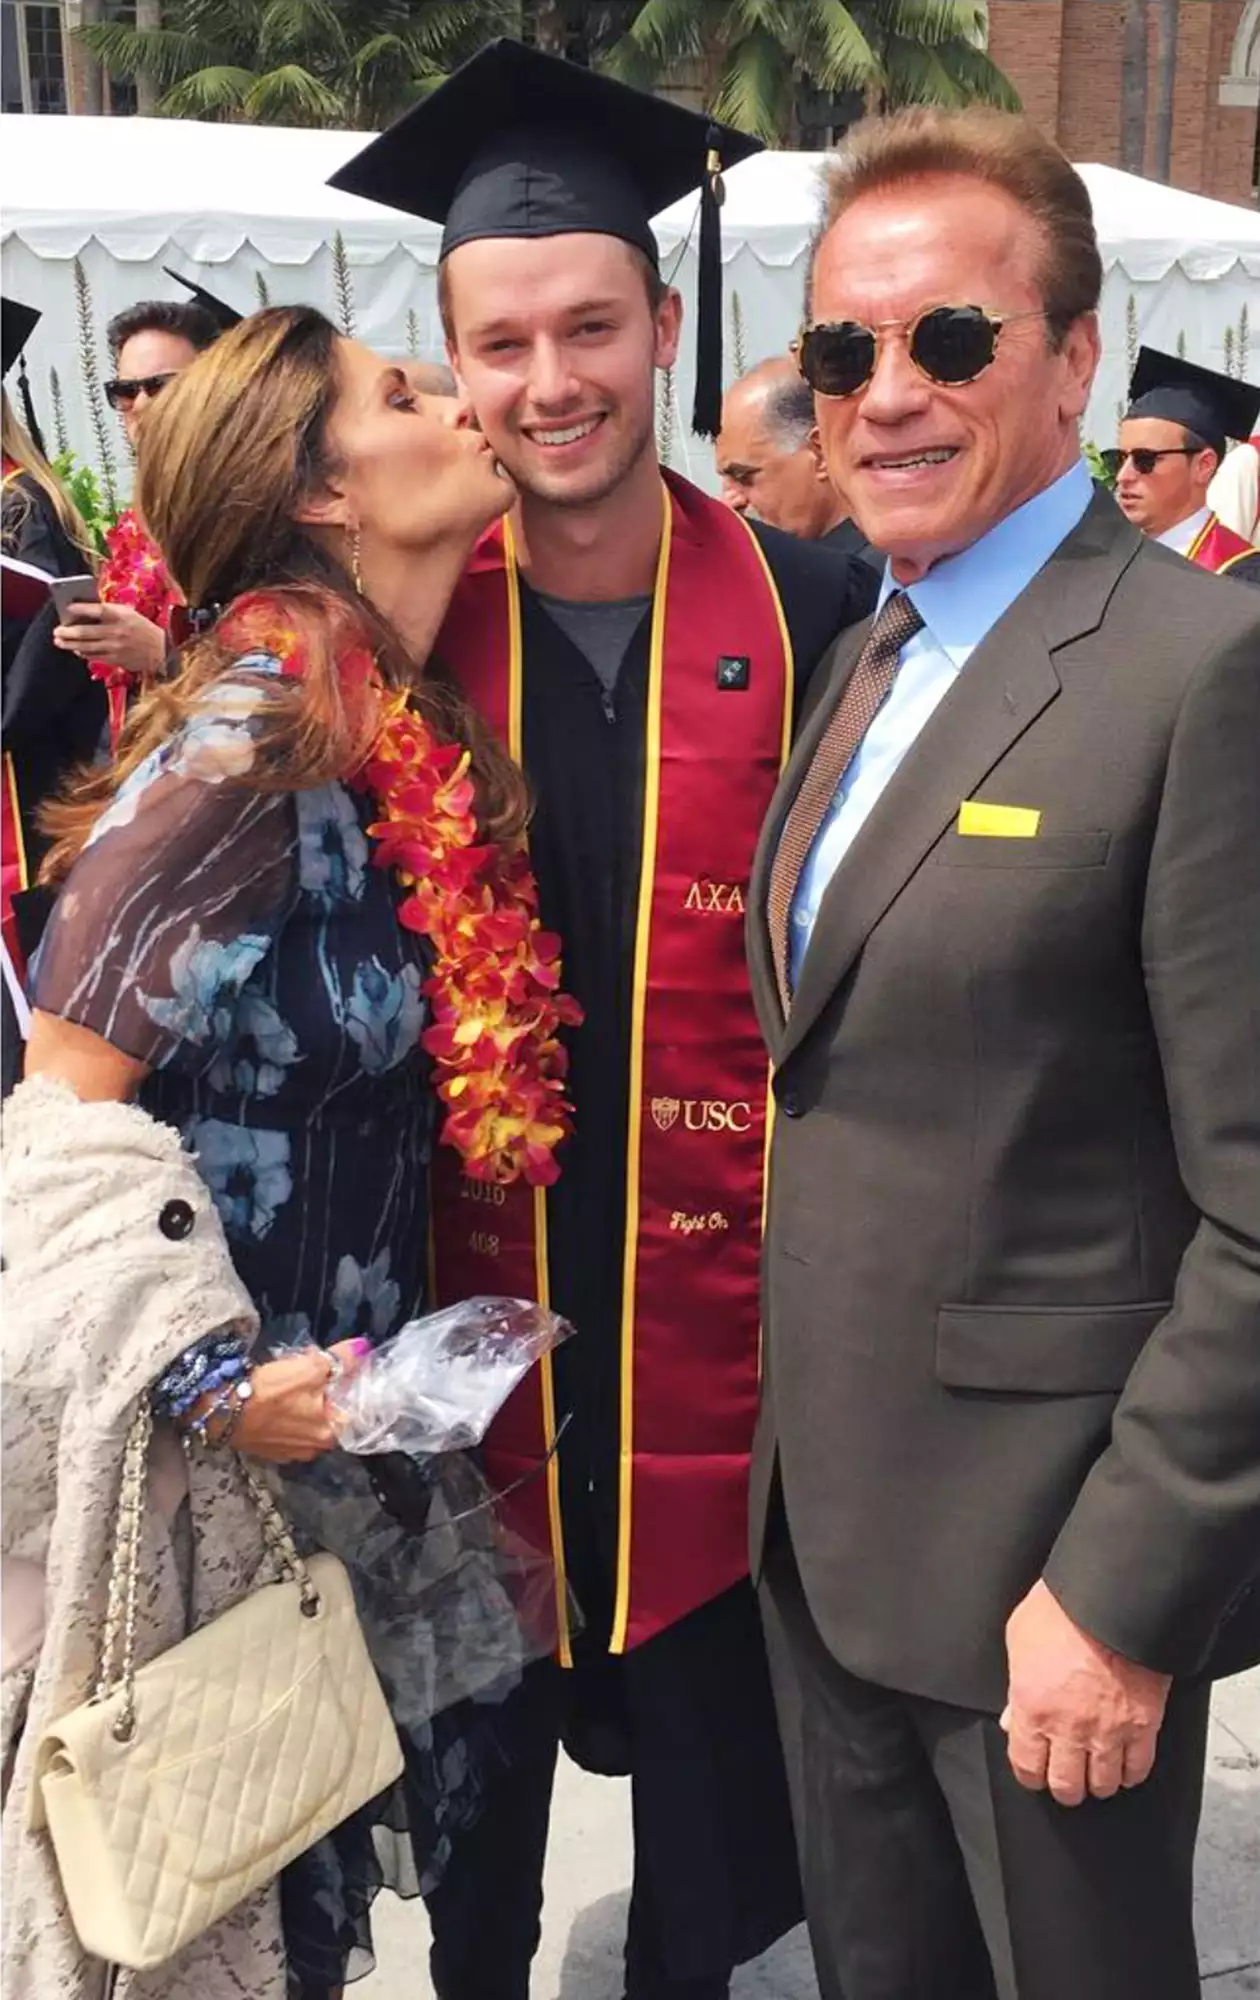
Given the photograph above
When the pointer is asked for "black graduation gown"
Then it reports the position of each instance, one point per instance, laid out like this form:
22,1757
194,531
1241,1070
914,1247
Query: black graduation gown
847,539
710,1806
52,713
1246,569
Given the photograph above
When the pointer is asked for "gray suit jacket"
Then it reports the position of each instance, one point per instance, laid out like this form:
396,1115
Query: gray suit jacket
1012,1268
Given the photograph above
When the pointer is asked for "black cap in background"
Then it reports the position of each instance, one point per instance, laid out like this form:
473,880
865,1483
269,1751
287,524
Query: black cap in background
224,317
17,323
1215,407
520,144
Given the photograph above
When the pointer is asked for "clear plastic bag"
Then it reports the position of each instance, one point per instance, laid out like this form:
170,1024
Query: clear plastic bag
455,1594
438,1383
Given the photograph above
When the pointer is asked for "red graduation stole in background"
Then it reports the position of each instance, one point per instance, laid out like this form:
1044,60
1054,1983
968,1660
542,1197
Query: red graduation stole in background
700,1106
1218,548
14,870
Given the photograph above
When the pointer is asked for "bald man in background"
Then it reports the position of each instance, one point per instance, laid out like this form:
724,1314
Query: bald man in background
430,378
770,465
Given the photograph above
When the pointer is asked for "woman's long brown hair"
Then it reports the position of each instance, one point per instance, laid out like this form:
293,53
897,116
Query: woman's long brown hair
229,452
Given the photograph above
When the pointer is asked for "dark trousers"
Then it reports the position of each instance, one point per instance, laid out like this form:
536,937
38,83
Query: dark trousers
930,1874
486,1911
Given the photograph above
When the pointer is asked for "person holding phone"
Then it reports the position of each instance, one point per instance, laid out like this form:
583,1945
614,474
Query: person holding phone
121,630
53,714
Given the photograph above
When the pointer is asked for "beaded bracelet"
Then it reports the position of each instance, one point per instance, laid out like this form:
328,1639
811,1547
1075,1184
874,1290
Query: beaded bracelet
209,1364
228,1404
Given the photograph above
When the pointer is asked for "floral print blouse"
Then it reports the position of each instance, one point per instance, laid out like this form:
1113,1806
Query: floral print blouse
241,944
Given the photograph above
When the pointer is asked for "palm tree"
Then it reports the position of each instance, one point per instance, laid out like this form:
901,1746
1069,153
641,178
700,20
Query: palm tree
298,62
1133,74
1166,12
753,54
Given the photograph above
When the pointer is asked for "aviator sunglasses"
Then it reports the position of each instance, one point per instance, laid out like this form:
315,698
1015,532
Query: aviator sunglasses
121,393
949,345
1145,457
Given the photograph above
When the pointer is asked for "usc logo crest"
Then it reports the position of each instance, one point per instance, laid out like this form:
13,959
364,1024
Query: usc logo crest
701,1114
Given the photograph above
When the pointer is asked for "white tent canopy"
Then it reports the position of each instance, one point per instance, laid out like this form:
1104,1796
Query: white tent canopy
245,209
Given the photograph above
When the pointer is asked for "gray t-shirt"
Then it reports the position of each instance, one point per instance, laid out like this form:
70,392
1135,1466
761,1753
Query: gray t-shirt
601,632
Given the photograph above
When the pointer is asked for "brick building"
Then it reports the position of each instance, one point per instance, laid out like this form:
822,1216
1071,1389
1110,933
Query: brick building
1065,59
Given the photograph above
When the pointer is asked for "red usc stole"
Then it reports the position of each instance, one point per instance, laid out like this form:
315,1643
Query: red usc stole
1218,548
719,708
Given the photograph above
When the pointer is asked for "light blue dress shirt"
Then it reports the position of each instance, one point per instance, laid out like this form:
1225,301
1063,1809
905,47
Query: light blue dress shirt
960,601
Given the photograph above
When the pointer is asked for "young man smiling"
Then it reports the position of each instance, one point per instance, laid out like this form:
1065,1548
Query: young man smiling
641,650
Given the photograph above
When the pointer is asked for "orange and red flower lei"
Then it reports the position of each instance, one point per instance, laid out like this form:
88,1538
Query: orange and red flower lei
135,573
494,989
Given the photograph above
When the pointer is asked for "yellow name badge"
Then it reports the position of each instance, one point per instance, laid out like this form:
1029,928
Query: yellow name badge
1000,822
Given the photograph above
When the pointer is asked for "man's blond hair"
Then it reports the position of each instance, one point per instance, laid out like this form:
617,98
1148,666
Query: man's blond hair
1000,149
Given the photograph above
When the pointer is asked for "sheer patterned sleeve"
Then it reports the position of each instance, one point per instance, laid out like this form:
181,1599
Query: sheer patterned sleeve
177,898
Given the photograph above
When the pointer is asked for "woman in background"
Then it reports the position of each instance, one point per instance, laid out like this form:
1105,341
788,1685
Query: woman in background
53,713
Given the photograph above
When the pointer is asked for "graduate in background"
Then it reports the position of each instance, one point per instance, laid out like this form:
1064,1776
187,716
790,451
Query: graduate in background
124,636
53,715
642,651
1172,443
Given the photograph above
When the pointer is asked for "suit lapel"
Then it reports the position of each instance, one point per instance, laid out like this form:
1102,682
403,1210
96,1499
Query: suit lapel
1008,681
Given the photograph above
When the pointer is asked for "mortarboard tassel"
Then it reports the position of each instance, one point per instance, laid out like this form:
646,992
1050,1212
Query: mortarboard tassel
706,410
28,408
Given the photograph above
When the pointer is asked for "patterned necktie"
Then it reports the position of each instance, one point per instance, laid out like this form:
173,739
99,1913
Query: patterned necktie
867,690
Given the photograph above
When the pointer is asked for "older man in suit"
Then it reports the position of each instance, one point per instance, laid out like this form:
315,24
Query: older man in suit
1005,936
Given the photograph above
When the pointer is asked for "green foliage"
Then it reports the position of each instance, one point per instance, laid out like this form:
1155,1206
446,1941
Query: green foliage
263,290
356,63
61,435
1094,460
665,416
753,54
739,340
343,286
93,395
84,488
413,332
1242,344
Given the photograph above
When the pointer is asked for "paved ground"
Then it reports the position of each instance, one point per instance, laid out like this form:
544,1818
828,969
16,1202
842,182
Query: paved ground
589,1869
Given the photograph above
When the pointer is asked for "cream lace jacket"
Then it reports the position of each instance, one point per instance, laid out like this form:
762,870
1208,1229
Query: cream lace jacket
98,1298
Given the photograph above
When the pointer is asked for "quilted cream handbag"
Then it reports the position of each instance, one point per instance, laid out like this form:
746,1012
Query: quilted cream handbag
184,1785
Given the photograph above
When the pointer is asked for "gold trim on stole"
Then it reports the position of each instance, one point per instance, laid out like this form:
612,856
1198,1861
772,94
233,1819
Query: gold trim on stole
15,809
642,950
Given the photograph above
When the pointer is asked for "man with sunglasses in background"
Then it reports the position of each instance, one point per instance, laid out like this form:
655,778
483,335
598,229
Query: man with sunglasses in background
1172,444
1005,938
150,344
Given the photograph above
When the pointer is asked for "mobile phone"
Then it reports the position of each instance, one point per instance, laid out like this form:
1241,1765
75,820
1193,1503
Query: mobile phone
70,590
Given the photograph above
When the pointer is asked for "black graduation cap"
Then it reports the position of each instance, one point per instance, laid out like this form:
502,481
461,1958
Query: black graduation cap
1215,407
517,143
17,324
224,317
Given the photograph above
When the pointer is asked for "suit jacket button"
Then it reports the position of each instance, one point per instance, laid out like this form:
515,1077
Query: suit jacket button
790,1104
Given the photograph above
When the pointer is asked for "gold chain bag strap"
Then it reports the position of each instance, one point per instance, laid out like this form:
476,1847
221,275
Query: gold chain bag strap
184,1785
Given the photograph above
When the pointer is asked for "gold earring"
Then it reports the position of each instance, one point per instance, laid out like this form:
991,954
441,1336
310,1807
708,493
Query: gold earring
356,572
